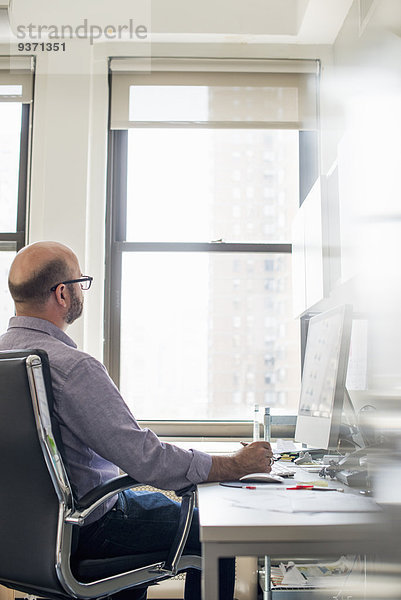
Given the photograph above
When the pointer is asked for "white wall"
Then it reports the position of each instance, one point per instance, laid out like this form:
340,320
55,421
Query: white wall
361,129
68,168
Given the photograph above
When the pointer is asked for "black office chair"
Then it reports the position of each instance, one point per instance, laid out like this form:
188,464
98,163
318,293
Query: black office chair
39,515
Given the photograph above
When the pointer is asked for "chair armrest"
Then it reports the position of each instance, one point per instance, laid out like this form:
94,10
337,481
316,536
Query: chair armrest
184,524
96,497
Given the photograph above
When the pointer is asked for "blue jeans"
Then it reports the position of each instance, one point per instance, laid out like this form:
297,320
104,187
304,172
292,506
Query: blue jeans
143,522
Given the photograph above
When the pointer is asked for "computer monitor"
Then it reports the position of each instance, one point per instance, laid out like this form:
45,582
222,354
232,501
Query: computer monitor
323,378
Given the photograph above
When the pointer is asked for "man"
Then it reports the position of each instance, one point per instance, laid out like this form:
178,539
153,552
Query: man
100,436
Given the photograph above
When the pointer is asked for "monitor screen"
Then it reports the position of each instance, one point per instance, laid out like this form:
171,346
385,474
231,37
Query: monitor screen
323,378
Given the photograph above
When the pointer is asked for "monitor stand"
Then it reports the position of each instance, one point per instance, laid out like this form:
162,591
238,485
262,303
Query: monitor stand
349,428
349,470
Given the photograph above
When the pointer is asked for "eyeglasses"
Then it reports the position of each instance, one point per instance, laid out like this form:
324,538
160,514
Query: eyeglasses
85,282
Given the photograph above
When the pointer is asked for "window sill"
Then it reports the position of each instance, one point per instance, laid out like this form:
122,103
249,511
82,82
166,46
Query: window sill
283,426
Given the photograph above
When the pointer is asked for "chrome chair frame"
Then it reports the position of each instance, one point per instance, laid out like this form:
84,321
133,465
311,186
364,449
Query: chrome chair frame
72,513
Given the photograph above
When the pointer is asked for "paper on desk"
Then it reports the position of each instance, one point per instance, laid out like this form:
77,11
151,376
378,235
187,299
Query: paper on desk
250,499
295,501
310,501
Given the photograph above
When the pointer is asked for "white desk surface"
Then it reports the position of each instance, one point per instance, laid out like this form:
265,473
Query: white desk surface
237,514
236,522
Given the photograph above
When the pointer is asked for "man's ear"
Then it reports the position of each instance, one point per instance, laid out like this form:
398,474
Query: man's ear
60,295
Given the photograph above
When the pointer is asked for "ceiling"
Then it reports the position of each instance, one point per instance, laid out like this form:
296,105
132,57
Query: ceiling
251,21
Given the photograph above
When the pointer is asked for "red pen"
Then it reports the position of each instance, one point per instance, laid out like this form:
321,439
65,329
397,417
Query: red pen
301,487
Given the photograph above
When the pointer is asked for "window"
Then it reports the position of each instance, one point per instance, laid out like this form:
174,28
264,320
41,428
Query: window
198,270
15,98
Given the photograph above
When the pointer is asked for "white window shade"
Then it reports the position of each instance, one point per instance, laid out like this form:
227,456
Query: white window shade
263,94
16,78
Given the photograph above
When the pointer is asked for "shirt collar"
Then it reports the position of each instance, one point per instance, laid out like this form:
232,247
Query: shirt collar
43,326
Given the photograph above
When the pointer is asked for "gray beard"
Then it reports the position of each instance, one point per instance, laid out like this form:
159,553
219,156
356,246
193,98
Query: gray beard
75,309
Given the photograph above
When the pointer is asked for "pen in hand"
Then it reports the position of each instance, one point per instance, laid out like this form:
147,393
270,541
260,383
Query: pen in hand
273,458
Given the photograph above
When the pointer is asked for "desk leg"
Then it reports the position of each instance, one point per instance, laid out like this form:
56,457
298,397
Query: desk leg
267,592
210,572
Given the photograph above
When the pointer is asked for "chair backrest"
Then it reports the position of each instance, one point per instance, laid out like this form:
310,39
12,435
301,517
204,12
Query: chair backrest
29,503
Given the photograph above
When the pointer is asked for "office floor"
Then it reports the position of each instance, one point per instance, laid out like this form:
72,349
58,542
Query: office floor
6,594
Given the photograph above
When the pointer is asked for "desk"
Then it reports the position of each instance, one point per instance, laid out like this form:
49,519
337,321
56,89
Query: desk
229,529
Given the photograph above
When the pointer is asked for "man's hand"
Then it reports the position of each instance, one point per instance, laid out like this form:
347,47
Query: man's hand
252,458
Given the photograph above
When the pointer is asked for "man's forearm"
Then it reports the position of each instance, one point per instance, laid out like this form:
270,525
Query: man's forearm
224,468
252,458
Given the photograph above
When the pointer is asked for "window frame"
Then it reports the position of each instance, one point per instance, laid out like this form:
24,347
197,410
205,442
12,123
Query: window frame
116,246
14,241
19,70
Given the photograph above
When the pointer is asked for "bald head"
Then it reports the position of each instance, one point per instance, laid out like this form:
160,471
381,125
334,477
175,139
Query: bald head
38,267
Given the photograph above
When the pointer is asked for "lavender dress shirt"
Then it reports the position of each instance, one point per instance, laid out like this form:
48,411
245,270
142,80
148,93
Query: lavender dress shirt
99,433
